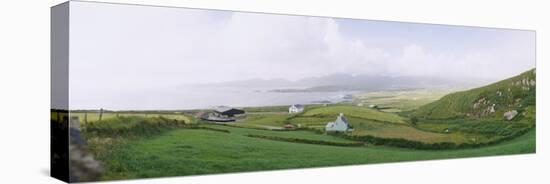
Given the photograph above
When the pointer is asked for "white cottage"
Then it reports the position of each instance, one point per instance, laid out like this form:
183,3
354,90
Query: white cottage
340,125
296,108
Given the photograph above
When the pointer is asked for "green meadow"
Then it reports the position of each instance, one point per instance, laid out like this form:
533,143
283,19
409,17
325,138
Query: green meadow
195,151
404,126
155,146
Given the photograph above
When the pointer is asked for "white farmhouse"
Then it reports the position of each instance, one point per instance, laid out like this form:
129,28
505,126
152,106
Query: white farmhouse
340,125
296,108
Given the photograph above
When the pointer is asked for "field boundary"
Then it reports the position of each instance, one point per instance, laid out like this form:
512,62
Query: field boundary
307,141
351,116
250,127
404,143
207,128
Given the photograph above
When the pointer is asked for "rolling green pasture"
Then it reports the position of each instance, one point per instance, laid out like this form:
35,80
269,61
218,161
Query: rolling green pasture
407,132
365,121
354,111
301,134
135,146
419,124
195,151
403,100
265,119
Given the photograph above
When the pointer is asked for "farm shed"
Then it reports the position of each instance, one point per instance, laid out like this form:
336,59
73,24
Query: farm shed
340,125
296,108
224,111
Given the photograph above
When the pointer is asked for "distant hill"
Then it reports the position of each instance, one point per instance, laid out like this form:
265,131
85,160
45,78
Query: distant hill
515,95
346,82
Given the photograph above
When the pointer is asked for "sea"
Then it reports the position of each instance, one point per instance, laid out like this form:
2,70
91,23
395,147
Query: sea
203,97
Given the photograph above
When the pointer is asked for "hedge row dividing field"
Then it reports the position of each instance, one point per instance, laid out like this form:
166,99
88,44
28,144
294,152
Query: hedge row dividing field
308,141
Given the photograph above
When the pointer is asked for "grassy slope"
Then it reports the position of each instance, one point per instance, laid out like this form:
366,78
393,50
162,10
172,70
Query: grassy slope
354,111
319,116
367,121
271,119
398,101
287,134
511,94
188,152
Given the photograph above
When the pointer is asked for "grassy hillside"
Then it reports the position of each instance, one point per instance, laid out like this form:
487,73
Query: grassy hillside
401,100
368,121
137,147
353,111
193,151
488,102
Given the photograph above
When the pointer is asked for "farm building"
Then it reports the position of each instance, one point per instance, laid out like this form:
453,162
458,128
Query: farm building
227,112
222,114
340,125
296,108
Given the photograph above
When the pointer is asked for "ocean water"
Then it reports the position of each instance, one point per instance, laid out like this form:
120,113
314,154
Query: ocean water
203,97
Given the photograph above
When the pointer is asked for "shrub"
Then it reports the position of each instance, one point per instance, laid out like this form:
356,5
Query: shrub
130,126
414,120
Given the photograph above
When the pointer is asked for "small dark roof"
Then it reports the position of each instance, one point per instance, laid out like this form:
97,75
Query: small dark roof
342,118
222,109
298,105
228,110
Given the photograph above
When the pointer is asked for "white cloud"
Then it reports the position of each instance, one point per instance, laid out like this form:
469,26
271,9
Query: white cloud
116,49
275,46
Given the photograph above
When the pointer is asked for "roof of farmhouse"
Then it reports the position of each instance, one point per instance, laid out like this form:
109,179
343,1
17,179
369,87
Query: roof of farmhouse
225,109
297,105
341,118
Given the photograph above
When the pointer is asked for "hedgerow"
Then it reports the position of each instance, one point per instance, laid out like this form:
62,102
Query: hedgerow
308,141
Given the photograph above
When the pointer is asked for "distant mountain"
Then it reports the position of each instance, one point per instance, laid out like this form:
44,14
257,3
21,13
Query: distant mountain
254,83
506,99
345,82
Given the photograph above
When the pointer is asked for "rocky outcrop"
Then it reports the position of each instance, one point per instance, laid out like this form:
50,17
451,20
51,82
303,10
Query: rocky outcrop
510,115
482,107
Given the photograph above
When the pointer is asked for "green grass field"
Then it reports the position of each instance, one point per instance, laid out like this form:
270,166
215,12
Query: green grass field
266,119
135,146
354,111
365,121
189,152
359,117
403,100
414,122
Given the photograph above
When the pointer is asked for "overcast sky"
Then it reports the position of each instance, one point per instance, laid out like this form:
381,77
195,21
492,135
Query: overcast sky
114,47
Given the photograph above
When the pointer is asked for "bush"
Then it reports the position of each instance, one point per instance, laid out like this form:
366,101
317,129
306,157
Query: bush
130,126
414,120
